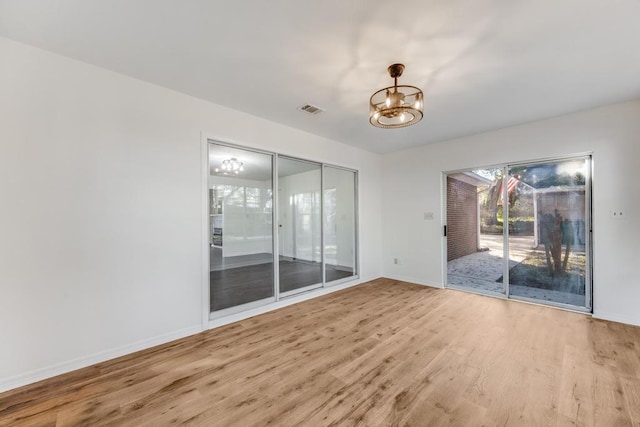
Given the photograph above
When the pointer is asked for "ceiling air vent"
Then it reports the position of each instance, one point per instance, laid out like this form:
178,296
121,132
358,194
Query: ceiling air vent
311,109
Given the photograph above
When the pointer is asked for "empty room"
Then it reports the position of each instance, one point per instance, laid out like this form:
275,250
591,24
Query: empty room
335,213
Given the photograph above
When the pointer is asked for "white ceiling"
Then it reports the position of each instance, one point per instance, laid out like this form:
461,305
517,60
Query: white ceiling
483,64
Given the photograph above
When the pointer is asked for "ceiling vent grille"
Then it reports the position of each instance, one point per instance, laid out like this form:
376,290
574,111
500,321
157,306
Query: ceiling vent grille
310,109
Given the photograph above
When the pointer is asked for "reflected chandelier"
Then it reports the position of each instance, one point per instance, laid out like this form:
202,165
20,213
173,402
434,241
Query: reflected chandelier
396,106
232,165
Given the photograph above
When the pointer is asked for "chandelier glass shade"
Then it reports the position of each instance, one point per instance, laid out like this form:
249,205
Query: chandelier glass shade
396,106
231,165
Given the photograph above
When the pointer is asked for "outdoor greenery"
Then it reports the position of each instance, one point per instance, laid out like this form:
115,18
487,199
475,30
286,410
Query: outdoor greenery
517,225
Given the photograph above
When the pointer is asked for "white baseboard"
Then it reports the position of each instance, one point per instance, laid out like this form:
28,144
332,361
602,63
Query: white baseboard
62,368
65,367
412,280
613,317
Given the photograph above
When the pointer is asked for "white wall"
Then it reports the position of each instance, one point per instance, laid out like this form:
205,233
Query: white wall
412,185
101,209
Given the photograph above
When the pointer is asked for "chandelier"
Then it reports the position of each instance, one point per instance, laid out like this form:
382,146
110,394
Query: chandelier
396,106
231,165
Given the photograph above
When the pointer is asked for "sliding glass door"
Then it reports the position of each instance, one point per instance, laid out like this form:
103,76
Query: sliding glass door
522,230
339,223
475,242
241,231
299,224
551,252
278,226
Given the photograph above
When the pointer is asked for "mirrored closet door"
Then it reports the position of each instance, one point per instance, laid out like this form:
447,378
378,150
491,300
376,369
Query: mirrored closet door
278,226
241,227
299,224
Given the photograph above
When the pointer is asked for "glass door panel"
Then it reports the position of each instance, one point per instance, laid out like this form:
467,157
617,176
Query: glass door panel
241,230
299,224
475,239
339,223
548,238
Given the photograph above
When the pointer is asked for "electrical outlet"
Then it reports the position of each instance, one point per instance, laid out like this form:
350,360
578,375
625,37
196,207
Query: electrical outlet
617,214
395,261
428,215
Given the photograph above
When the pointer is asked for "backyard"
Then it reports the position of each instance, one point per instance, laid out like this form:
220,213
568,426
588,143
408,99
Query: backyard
542,209
529,274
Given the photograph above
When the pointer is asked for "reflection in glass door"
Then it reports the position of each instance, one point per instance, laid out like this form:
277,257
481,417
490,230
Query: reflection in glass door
542,210
339,223
299,225
241,235
548,238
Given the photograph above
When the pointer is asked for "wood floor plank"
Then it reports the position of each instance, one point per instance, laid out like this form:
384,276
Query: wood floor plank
631,390
383,353
575,387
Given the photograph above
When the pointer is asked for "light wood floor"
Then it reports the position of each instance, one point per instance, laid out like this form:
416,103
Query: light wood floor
383,353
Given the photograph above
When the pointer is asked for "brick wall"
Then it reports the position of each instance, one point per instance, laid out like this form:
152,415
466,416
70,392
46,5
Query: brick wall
462,219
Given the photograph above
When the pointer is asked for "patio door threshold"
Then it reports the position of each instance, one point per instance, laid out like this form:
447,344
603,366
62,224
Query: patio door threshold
550,304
